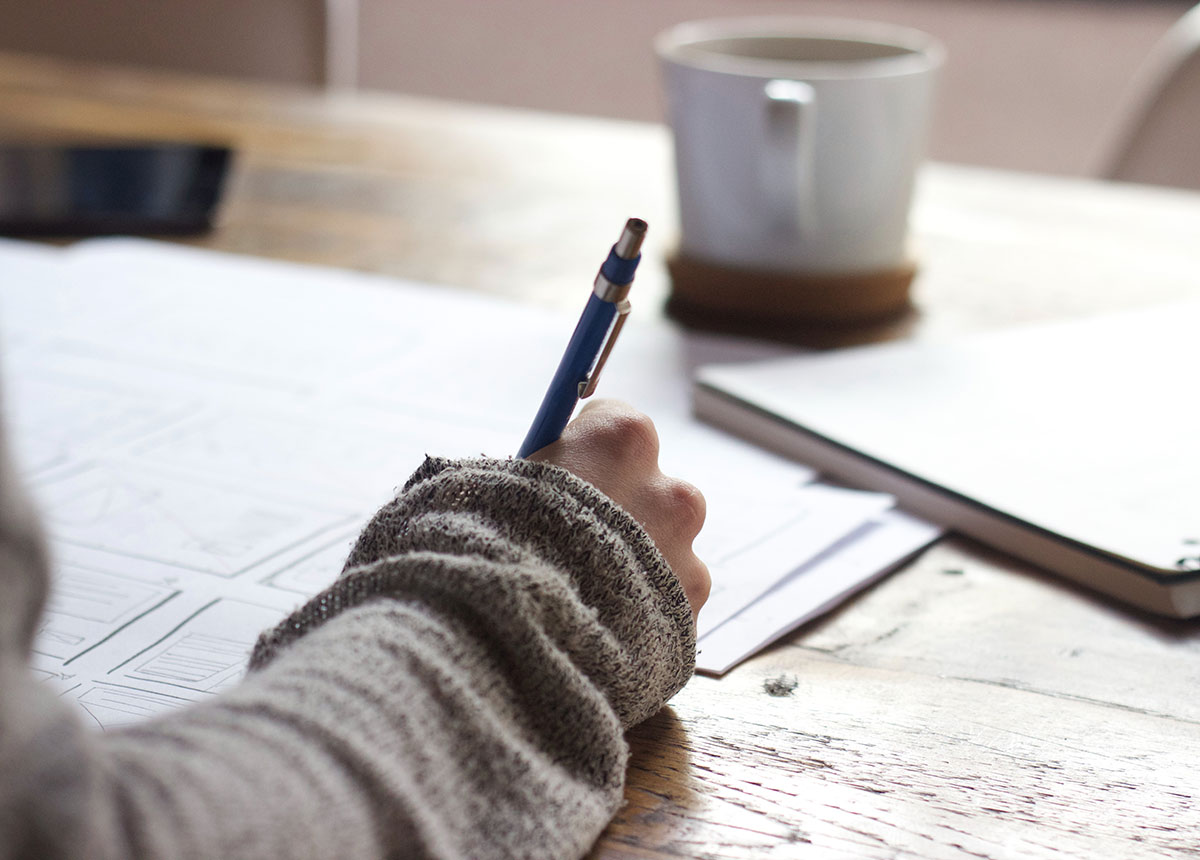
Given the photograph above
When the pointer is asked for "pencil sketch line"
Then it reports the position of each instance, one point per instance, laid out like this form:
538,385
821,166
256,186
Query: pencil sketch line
165,636
117,630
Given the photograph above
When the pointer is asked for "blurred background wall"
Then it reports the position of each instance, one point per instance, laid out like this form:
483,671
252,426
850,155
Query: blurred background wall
1030,84
280,40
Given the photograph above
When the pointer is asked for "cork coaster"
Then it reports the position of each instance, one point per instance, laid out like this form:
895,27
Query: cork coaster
748,300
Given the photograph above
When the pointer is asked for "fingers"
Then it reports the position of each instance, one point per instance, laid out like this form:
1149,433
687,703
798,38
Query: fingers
673,513
696,581
610,445
618,431
615,448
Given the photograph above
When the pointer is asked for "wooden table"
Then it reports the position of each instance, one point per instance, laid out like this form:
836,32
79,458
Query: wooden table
968,706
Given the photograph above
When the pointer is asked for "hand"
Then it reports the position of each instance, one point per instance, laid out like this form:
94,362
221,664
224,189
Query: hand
615,448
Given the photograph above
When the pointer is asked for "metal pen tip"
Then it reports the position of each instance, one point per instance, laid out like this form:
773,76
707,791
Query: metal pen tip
630,243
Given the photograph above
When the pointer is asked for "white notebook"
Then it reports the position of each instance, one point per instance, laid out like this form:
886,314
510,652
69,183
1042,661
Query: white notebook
1075,446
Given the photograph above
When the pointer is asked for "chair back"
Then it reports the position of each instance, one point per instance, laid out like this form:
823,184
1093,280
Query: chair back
1158,141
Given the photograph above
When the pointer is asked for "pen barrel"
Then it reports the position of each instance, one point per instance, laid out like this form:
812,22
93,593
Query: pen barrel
577,361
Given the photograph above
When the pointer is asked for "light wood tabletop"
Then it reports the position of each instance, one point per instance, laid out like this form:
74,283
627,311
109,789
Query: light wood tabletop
968,705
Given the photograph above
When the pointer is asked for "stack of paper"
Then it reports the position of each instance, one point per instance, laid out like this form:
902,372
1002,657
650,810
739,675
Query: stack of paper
205,434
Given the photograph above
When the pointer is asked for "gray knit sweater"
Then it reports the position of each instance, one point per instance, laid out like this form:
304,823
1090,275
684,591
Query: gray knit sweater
461,691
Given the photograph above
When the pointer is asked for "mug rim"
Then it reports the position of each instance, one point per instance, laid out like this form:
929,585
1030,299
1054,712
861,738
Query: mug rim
679,45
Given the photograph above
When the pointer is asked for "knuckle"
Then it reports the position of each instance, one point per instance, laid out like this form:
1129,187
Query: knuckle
701,585
697,584
633,435
687,505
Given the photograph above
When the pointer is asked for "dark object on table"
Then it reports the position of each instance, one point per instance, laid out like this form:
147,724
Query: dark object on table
69,190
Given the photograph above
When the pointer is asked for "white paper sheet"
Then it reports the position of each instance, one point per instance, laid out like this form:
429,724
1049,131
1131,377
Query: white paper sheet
843,569
761,540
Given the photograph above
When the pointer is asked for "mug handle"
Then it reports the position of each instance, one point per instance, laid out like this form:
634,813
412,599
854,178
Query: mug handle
787,169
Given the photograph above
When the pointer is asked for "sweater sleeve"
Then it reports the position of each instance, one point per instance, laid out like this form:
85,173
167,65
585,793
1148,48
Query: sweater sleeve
460,691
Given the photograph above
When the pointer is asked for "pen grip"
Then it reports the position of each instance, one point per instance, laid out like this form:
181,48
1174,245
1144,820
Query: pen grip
563,393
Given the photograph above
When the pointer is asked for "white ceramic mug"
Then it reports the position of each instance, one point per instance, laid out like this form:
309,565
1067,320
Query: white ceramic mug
797,140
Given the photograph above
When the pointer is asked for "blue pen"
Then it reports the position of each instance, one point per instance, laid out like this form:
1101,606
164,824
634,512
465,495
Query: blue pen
592,341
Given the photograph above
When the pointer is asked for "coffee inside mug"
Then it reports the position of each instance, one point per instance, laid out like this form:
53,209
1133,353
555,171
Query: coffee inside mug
800,49
764,50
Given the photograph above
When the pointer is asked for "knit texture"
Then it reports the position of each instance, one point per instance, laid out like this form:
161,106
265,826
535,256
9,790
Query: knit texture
460,691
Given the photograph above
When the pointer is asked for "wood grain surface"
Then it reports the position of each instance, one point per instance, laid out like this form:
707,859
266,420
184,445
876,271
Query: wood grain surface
966,707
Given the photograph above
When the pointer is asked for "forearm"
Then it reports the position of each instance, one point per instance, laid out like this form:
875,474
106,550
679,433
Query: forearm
368,739
563,559
460,691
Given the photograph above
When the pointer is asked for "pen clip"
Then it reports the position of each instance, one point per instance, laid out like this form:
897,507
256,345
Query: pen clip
588,386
